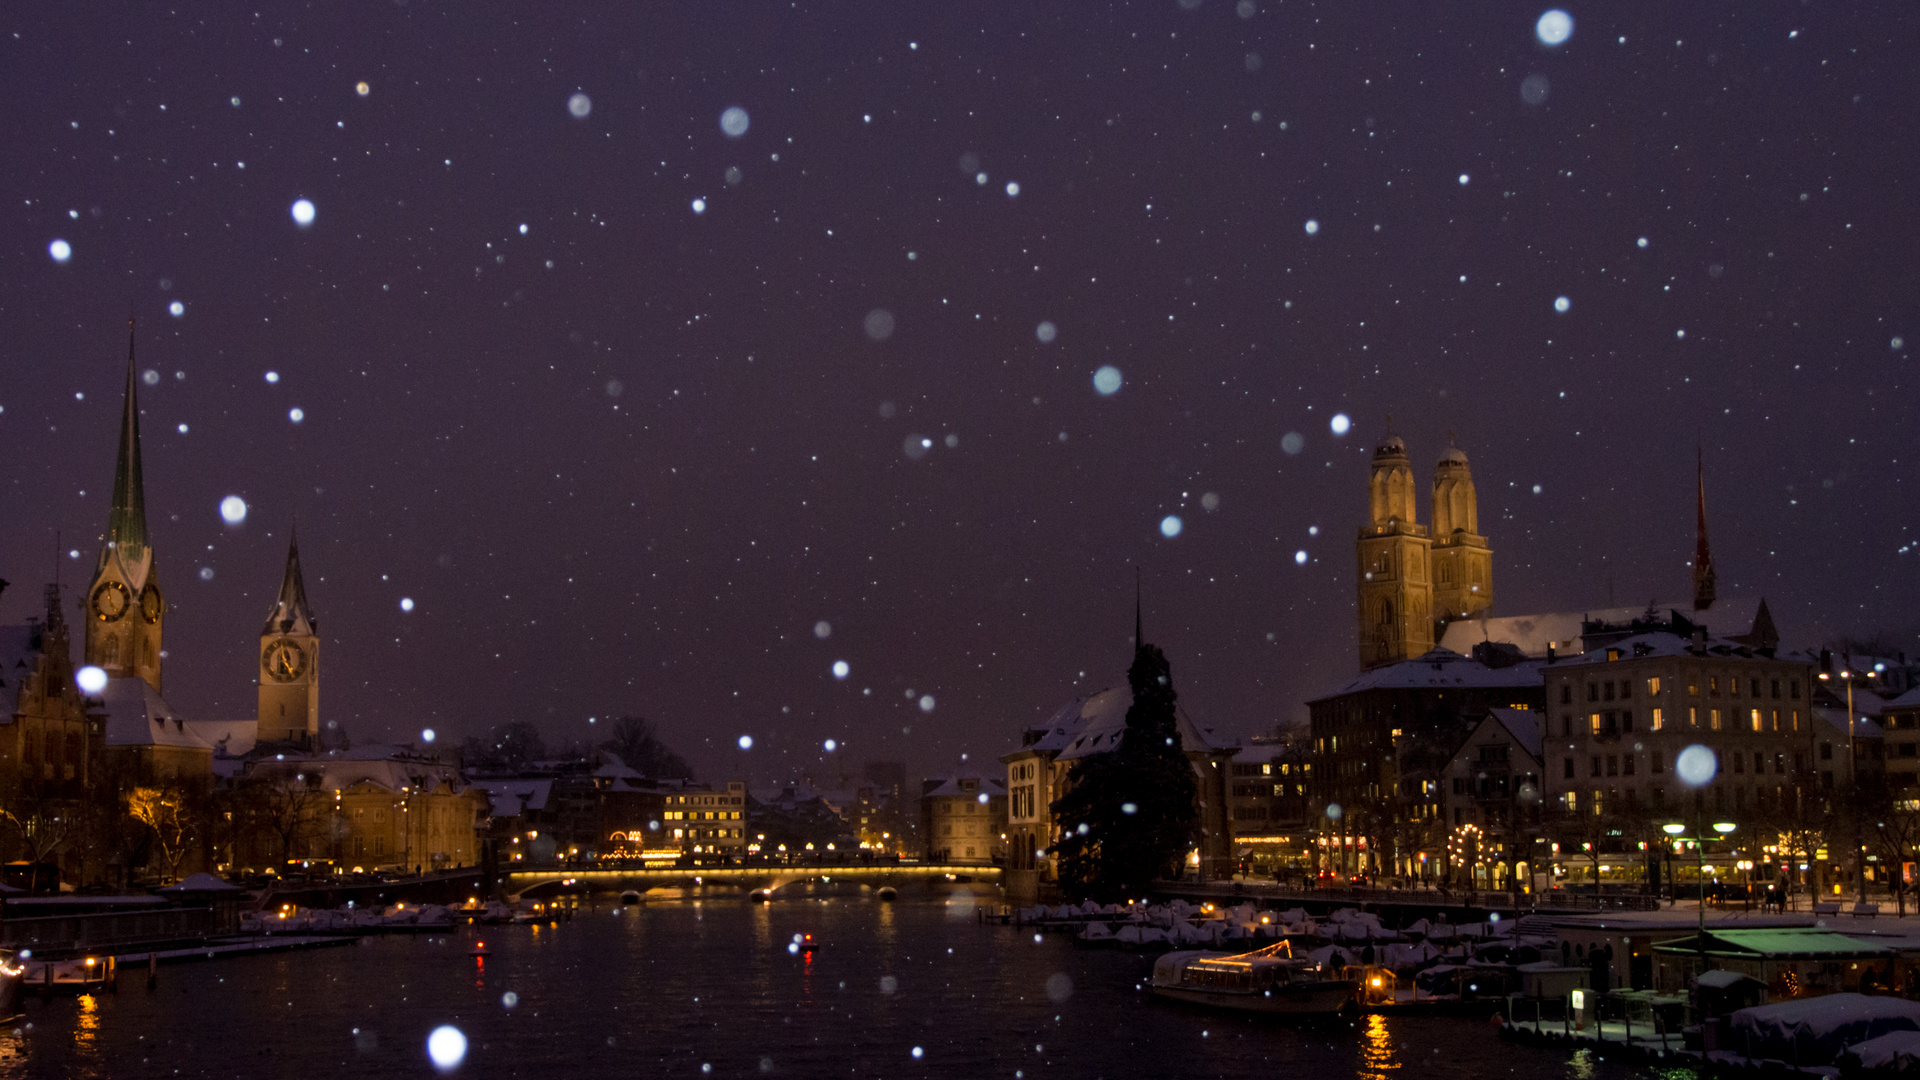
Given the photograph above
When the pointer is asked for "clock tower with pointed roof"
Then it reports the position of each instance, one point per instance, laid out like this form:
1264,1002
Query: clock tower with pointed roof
290,663
123,609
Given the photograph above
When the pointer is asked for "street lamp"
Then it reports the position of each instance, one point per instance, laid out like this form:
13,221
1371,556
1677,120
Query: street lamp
1699,839
1853,778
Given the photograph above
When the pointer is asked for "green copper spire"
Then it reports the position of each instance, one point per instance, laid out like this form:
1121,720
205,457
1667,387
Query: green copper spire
127,522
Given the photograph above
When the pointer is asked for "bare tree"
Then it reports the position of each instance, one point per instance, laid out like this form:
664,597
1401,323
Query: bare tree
43,823
162,809
284,803
1897,835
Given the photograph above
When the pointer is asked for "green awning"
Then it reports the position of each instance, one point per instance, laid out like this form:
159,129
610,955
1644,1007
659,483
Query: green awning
1778,944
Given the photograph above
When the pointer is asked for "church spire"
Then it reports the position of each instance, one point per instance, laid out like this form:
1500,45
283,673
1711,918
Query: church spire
127,520
1703,577
290,614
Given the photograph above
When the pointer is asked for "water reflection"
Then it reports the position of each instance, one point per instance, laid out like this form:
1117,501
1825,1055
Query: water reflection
670,986
1376,1050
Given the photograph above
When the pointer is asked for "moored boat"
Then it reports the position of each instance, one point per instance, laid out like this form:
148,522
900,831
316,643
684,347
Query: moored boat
1266,980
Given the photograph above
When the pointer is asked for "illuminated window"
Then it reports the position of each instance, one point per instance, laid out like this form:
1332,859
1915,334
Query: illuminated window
1658,721
1713,718
1693,716
1653,685
1755,719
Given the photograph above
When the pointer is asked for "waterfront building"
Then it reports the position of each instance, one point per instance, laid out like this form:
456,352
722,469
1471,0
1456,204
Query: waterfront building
1268,804
797,820
50,746
1381,745
1620,715
1488,801
369,808
1037,774
708,823
964,819
1901,719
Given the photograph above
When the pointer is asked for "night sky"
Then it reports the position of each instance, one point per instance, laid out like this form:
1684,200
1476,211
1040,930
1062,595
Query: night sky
626,404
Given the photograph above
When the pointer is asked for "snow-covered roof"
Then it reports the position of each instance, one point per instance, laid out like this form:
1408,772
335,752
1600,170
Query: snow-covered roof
1523,725
138,716
1445,669
1836,719
1908,700
1098,722
202,883
229,738
1564,630
949,786
512,798
1664,644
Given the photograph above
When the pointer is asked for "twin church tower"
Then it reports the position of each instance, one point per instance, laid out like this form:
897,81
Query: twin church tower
1412,583
124,610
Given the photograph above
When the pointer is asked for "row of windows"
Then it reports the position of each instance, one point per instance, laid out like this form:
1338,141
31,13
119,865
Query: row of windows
701,815
1734,762
1620,721
1610,689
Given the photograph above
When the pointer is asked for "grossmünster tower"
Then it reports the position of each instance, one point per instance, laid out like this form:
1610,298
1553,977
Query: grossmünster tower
1412,583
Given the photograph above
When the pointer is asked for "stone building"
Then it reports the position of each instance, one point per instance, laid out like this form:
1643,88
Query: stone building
1381,745
964,819
1037,775
1618,717
1413,582
50,746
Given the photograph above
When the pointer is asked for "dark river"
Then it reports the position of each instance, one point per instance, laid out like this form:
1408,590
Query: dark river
707,988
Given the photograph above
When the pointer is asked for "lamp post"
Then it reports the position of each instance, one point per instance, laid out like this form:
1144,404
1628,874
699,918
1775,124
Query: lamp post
1699,838
1853,781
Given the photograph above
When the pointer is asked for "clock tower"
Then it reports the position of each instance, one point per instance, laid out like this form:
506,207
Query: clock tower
123,607
290,663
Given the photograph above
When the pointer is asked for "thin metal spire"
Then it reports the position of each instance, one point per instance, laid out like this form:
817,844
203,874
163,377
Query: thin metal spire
127,520
1703,576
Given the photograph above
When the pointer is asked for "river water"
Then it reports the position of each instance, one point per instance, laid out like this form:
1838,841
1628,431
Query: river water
708,988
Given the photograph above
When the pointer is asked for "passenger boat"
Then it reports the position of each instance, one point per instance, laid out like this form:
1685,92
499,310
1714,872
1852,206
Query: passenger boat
1266,980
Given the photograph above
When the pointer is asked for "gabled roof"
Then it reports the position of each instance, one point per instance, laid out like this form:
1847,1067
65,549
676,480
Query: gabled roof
1442,669
1908,700
1565,630
949,786
1100,722
1523,725
138,716
1836,719
512,798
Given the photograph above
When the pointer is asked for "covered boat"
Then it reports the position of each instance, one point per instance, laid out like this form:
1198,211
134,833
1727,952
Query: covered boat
1266,980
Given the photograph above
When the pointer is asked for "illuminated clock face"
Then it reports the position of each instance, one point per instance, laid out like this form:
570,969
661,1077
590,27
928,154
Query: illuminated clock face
150,604
109,601
284,661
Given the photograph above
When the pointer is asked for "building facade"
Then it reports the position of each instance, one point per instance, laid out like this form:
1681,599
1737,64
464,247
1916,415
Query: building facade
1039,771
964,819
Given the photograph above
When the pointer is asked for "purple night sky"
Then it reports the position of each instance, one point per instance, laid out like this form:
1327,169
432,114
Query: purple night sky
598,393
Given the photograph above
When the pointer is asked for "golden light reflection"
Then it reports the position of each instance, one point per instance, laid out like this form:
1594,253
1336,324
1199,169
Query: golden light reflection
86,1031
1376,1050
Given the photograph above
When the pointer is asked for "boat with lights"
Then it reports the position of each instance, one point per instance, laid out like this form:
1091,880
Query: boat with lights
1267,980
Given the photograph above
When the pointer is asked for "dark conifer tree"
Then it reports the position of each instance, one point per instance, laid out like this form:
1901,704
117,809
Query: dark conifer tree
1136,802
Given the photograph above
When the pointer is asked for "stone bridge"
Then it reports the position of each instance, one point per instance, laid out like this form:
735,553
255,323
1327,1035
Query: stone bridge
758,881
